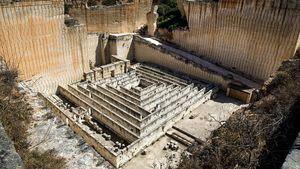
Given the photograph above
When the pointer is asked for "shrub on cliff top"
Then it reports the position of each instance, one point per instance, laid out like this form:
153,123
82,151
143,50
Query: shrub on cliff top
169,15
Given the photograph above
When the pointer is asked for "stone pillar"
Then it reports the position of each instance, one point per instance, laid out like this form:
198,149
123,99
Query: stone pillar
102,50
152,17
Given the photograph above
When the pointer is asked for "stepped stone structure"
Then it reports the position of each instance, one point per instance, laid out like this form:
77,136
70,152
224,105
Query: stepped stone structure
120,114
252,37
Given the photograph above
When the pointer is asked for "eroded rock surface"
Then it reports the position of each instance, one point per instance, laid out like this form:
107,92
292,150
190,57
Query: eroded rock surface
9,158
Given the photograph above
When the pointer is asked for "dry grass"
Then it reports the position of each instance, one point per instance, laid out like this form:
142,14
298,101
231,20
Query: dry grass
46,160
15,115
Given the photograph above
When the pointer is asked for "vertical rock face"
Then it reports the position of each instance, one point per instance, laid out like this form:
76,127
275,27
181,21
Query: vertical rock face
34,38
124,18
9,158
252,37
151,20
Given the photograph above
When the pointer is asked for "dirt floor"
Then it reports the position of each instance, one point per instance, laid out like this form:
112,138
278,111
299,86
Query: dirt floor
156,157
209,116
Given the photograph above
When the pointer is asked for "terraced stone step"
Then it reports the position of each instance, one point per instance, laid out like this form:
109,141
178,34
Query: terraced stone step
119,98
120,78
154,76
162,74
121,93
119,110
104,116
180,137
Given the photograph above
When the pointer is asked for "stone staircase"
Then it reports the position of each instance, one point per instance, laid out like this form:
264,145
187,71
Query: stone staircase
137,102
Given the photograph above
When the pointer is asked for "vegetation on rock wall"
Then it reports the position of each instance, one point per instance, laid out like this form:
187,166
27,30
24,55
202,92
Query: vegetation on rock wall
260,135
96,2
109,2
15,116
169,15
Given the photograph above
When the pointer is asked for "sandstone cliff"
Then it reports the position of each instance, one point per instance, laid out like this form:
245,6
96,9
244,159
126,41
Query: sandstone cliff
123,18
252,37
34,38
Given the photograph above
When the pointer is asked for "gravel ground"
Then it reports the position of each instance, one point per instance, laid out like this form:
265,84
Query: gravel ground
47,132
209,116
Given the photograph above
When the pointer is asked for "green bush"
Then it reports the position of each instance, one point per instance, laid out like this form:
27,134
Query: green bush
169,15
109,2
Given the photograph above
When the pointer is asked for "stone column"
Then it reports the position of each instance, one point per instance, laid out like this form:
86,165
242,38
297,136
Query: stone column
152,17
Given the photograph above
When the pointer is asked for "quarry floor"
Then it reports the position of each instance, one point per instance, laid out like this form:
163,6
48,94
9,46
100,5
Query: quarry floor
47,132
209,116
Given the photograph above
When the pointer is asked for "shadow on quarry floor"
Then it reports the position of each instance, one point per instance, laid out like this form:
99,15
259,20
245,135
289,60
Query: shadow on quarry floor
222,98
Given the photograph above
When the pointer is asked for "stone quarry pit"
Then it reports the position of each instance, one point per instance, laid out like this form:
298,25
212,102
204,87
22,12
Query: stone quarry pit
105,96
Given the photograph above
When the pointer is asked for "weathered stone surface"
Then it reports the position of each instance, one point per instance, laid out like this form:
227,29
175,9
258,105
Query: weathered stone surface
9,158
34,38
151,20
123,18
252,37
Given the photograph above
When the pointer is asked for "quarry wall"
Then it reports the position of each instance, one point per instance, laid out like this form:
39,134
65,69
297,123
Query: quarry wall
93,48
151,51
252,37
146,53
124,18
33,37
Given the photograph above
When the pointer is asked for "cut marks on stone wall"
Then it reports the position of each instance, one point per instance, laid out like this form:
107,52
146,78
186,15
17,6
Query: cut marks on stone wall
250,37
121,18
119,108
